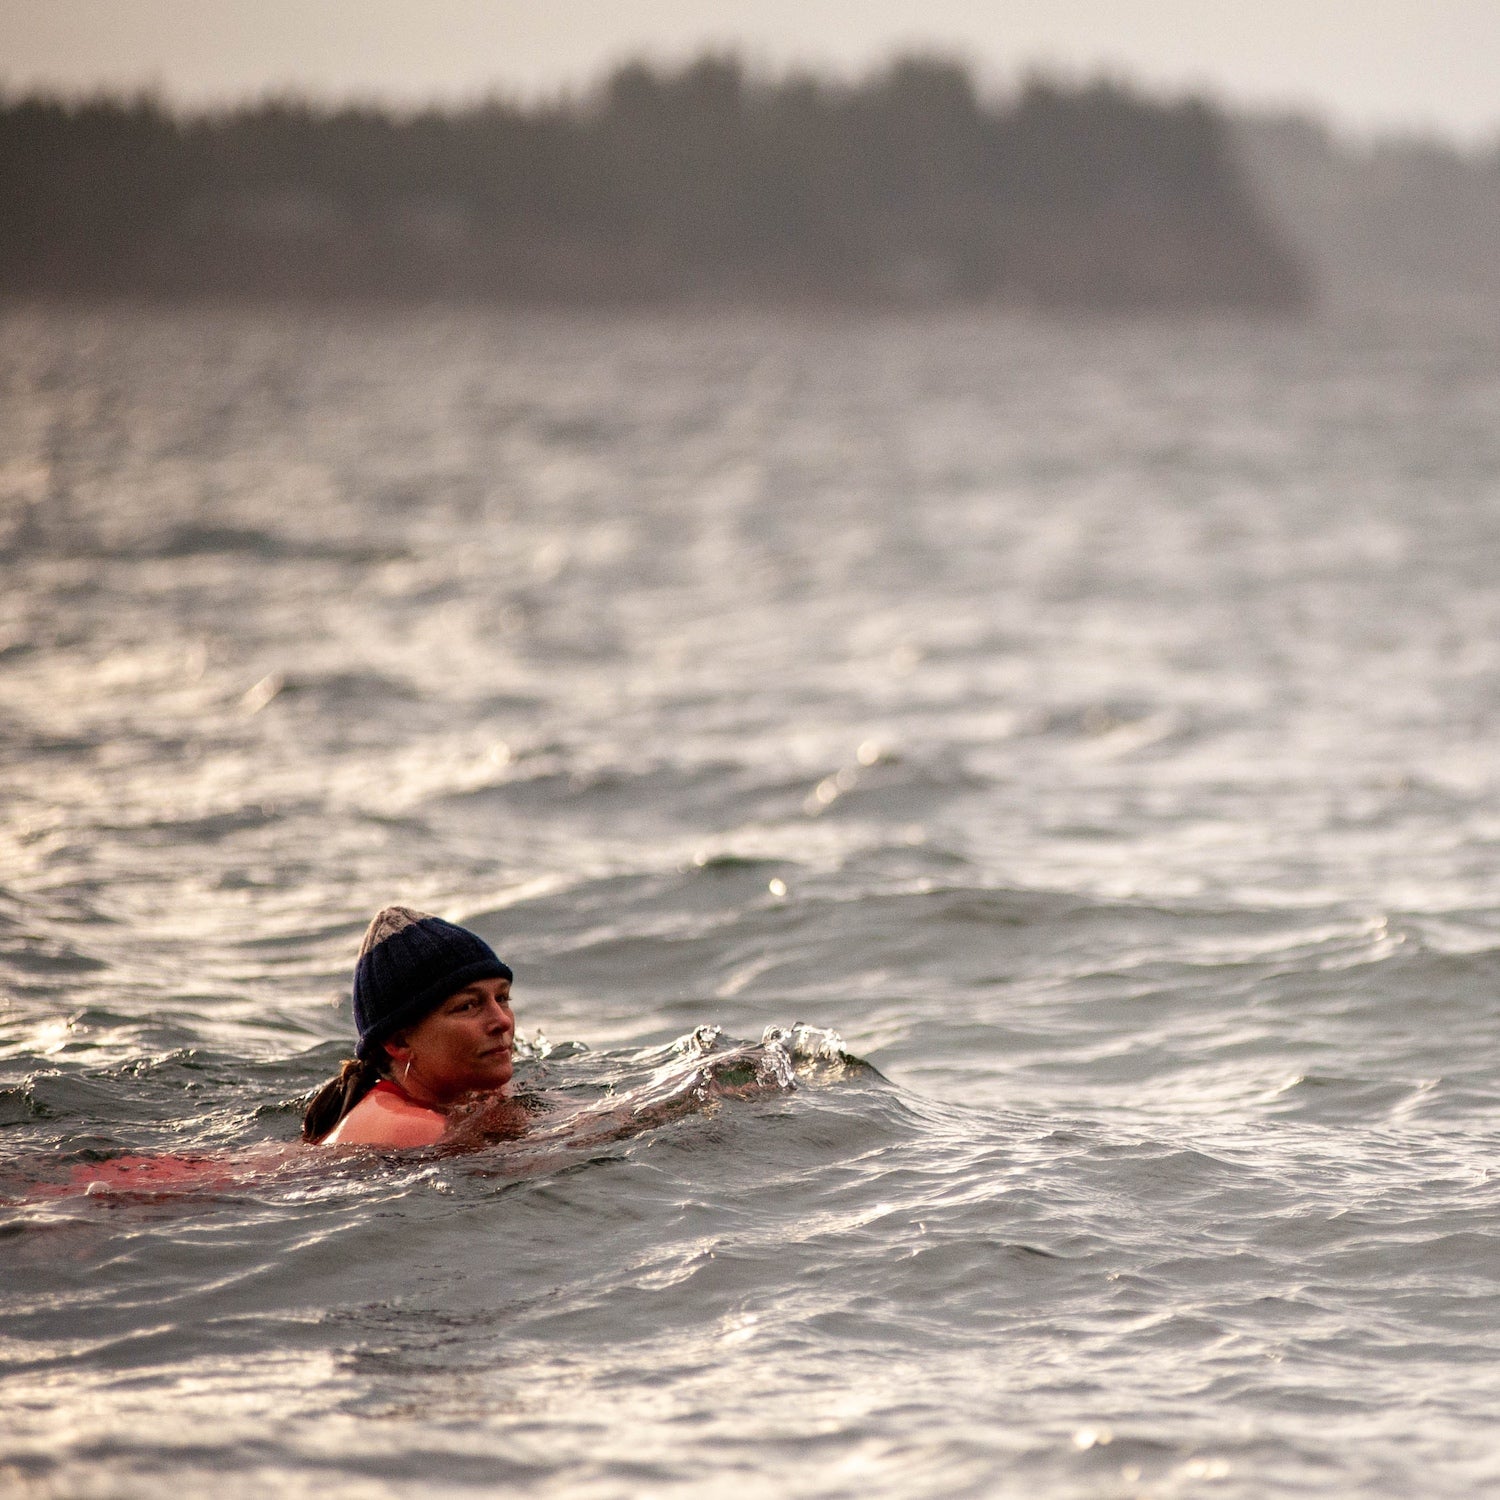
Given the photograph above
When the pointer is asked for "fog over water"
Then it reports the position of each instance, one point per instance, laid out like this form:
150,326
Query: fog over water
1091,722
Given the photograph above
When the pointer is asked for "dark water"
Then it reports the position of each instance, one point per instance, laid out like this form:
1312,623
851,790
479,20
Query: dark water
1093,723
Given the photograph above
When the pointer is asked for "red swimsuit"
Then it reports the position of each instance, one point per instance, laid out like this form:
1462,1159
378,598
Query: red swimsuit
390,1086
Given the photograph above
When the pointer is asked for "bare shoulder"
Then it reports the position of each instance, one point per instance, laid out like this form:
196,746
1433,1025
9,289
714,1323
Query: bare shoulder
379,1120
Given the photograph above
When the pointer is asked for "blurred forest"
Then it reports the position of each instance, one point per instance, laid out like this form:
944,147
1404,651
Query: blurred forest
697,183
1388,222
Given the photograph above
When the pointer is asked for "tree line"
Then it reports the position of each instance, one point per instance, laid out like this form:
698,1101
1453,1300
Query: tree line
701,182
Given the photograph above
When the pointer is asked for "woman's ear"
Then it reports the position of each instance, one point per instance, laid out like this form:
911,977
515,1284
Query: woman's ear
398,1048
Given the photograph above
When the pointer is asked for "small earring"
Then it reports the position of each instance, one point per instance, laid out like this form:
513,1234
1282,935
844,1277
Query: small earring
406,1072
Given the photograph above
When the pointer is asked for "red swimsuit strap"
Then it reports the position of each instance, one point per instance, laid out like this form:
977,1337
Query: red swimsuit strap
390,1086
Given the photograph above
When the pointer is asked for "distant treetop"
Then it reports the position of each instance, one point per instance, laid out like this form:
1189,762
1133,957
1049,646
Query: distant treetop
701,183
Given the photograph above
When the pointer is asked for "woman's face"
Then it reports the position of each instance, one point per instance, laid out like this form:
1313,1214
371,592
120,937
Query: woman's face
462,1047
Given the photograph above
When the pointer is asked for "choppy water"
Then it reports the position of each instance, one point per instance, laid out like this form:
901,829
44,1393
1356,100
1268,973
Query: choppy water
1094,723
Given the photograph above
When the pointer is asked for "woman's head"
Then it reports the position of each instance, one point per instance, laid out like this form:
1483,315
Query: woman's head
409,965
432,1004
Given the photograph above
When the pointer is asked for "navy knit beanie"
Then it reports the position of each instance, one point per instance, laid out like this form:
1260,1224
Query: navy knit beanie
409,963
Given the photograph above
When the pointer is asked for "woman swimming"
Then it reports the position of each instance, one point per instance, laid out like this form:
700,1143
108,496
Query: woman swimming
433,1068
432,1005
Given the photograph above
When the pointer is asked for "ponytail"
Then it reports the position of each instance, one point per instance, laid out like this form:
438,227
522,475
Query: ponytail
337,1097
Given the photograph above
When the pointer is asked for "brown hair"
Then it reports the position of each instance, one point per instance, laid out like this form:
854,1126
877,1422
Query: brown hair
337,1097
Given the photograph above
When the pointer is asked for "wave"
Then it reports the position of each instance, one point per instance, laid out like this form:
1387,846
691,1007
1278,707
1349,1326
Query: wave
198,539
96,1122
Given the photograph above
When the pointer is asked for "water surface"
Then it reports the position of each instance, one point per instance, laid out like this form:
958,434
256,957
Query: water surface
1092,722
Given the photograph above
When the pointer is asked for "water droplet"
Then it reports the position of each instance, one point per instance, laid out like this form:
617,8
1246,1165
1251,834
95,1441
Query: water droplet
905,659
262,693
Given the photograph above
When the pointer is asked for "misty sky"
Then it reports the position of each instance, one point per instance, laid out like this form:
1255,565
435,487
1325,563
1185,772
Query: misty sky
1370,65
